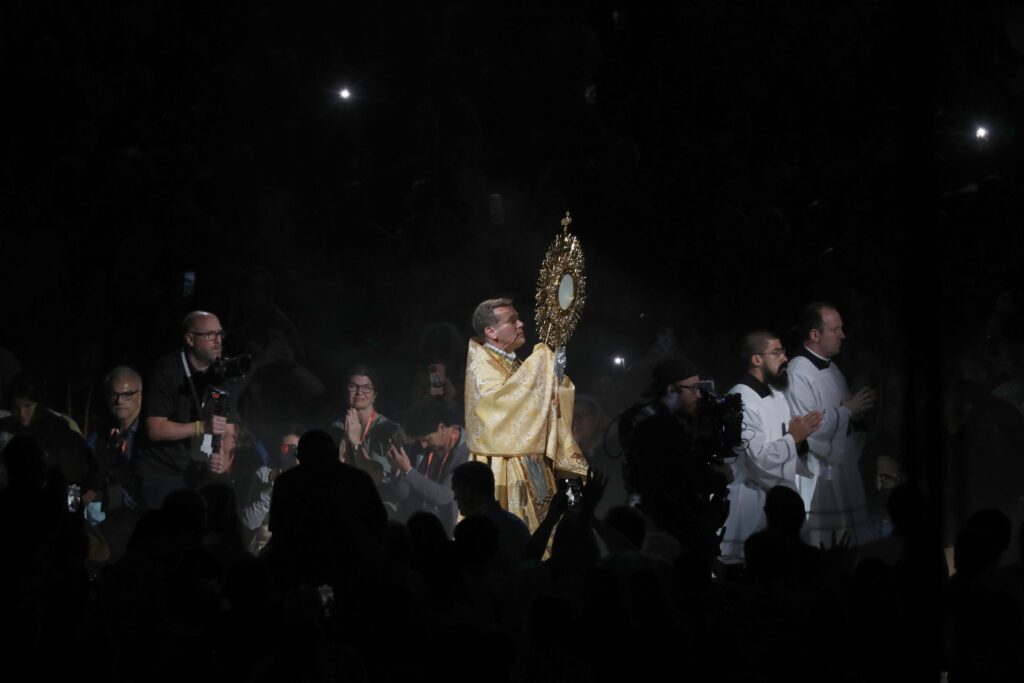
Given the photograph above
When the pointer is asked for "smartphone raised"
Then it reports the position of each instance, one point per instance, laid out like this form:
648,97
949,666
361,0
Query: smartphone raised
436,373
574,491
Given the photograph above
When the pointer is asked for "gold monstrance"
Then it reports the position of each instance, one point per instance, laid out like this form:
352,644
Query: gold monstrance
561,288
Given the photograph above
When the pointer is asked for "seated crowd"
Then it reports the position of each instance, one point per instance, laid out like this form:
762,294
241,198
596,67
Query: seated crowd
174,540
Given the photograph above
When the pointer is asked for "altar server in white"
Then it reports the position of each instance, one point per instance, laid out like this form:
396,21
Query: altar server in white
833,492
774,443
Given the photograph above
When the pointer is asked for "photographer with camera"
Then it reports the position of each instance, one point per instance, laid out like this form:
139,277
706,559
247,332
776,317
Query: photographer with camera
187,409
673,456
774,446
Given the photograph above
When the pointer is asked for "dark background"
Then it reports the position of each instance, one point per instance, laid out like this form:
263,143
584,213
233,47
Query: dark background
725,163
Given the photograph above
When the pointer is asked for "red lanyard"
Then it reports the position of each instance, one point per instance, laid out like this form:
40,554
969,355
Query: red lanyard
369,423
447,452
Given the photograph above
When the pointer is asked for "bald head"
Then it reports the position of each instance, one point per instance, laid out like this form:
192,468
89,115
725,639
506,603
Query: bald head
203,337
188,323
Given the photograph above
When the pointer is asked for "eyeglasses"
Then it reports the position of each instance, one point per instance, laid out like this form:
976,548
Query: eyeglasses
118,396
210,336
695,388
776,353
360,388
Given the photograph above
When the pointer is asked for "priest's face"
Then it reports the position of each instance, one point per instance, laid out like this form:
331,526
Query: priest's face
774,364
830,338
507,333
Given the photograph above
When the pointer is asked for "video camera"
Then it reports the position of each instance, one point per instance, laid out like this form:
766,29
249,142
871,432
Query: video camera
674,466
221,370
231,368
718,424
713,432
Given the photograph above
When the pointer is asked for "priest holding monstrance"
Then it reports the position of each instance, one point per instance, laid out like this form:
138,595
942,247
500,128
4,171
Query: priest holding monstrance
519,412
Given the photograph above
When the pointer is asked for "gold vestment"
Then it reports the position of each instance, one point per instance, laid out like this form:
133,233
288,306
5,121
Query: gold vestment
514,411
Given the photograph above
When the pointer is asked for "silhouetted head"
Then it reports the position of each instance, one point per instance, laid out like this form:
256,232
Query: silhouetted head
316,447
473,487
784,509
426,530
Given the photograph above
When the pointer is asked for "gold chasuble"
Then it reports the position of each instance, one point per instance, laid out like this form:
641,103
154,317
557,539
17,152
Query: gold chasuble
515,410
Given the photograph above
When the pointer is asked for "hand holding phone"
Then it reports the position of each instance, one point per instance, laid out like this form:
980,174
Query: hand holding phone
398,458
436,374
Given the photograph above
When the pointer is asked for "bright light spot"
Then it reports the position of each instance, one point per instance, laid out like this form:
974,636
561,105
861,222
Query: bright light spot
619,361
345,93
981,133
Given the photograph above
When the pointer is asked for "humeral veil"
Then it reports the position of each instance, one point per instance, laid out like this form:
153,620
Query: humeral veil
515,410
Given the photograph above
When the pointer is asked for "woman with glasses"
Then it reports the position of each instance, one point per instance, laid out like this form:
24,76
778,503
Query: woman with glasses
362,441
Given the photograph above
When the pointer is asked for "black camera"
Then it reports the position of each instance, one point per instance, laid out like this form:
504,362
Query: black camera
719,423
673,464
231,368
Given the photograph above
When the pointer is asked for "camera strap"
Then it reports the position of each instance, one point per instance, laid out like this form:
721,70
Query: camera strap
207,444
191,385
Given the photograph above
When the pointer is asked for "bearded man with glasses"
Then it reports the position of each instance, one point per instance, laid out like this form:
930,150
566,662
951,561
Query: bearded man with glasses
774,442
179,415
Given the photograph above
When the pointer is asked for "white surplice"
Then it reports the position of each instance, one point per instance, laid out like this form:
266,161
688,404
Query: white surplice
833,494
767,458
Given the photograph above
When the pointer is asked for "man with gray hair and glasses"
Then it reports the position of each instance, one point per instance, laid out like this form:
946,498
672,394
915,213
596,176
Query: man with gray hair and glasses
111,493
